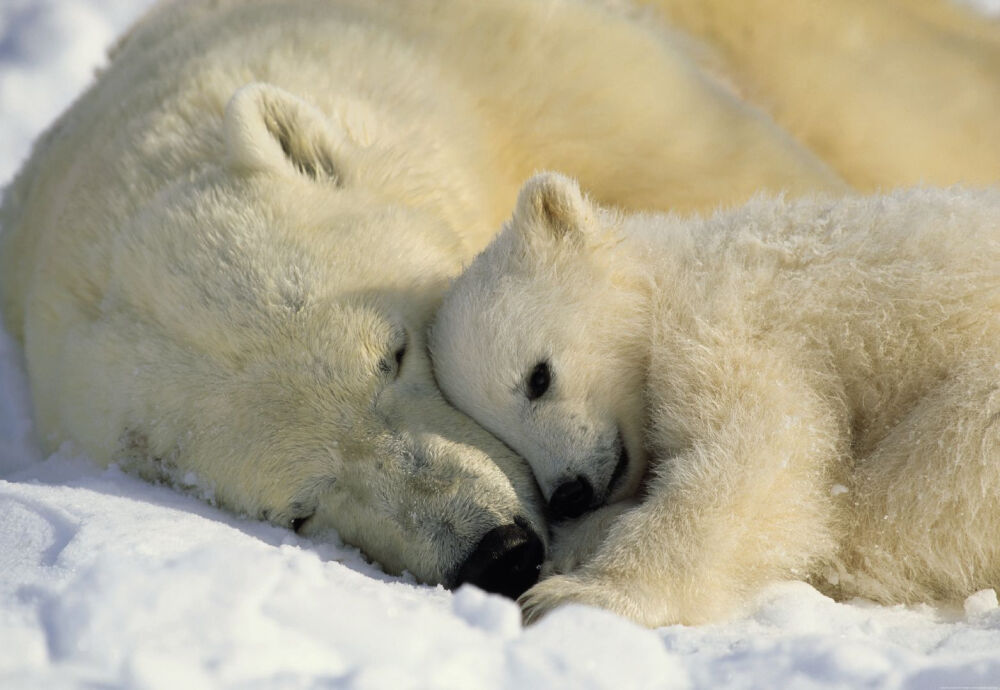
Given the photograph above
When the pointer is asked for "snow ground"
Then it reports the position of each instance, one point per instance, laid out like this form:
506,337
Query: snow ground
107,582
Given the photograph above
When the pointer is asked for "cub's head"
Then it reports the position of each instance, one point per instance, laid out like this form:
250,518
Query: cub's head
541,341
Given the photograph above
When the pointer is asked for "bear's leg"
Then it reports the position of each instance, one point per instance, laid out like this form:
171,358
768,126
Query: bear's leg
888,93
926,521
626,109
744,502
663,136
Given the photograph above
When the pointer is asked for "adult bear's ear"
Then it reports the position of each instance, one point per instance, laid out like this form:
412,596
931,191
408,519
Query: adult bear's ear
268,129
551,205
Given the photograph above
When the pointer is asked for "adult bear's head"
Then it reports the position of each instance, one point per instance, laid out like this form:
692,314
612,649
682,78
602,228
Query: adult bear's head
257,325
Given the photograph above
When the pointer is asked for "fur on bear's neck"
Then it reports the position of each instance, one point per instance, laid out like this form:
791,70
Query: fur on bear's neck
653,249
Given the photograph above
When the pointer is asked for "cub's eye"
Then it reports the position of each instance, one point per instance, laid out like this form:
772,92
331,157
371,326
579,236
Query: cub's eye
539,380
297,523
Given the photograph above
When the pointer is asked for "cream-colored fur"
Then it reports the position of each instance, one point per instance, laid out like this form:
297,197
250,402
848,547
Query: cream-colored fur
806,389
216,256
888,92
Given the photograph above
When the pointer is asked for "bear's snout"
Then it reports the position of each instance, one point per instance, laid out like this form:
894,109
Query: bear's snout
571,499
507,560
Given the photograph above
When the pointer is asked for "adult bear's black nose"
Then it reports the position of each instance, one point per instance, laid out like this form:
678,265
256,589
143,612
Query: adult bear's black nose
571,499
506,561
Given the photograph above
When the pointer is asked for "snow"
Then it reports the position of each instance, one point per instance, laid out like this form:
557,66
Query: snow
109,582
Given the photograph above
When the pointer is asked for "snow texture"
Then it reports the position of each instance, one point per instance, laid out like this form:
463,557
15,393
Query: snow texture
109,582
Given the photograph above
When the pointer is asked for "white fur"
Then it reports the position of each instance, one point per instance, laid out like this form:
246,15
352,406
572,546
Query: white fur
210,254
213,256
889,93
807,389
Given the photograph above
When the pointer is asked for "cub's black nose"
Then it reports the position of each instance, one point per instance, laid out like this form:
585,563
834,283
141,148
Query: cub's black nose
571,499
506,561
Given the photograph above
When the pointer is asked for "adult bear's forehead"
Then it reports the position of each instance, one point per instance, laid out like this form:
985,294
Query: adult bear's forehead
308,244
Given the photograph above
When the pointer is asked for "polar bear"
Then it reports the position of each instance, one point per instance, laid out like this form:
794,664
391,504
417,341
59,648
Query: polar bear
221,260
805,389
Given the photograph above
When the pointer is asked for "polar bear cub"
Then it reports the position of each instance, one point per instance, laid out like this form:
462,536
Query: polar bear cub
791,389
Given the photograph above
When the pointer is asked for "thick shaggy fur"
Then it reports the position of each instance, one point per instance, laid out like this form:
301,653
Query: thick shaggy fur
215,256
221,260
889,93
806,389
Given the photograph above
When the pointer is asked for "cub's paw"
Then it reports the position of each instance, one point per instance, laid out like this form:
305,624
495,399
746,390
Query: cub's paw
561,562
548,594
559,590
575,542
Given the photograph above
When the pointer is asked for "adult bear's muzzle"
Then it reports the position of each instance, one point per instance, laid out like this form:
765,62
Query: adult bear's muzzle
507,560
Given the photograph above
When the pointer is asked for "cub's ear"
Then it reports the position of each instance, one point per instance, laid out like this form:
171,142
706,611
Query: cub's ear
268,129
551,205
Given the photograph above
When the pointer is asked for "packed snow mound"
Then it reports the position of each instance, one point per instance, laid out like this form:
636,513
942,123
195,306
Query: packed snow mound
110,581
106,581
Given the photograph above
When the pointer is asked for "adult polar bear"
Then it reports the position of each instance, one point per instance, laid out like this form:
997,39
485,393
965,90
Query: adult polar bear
221,259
